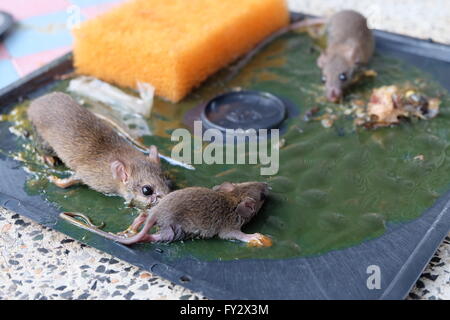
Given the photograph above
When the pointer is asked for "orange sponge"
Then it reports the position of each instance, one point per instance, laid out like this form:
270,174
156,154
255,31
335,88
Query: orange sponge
173,44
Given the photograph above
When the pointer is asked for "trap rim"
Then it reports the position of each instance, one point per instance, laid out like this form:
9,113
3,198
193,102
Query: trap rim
319,277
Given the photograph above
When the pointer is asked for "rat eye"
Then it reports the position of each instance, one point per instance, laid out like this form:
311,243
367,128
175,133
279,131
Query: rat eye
323,79
343,77
147,190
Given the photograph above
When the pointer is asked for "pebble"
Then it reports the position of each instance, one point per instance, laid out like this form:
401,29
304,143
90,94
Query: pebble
100,269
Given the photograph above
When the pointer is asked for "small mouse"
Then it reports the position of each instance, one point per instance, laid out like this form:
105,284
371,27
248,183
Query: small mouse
350,45
197,212
97,155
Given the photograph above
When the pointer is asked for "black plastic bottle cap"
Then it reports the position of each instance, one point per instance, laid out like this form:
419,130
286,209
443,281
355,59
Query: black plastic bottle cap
244,110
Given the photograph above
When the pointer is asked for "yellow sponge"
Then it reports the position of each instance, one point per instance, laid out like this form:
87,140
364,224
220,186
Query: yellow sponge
173,44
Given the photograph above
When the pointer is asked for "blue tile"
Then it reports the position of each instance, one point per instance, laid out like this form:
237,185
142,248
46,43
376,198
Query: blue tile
39,33
89,3
8,73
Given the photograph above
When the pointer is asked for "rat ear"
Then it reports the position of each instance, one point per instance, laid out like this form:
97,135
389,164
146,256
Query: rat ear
119,171
153,155
322,60
351,55
247,208
224,187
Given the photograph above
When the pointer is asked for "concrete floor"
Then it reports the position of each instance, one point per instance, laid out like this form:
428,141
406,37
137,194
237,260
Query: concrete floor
426,19
38,263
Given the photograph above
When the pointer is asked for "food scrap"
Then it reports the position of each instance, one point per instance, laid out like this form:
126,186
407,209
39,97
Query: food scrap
311,113
388,105
370,73
328,119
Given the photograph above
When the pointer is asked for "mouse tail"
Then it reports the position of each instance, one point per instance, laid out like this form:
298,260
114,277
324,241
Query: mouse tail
309,22
141,236
242,62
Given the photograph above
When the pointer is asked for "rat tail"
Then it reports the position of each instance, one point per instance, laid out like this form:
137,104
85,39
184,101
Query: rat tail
140,236
234,69
308,22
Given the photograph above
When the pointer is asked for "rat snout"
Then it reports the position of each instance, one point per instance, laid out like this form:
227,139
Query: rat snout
334,94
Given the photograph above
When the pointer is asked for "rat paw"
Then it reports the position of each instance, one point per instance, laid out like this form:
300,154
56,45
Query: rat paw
127,233
49,160
63,183
259,240
56,181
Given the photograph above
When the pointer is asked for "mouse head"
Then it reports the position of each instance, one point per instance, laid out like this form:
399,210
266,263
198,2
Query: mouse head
142,180
250,196
338,72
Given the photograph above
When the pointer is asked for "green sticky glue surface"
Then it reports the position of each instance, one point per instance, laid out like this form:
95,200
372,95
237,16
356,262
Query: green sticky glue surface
336,187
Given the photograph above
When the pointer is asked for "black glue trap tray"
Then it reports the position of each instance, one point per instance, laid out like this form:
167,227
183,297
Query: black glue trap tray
353,213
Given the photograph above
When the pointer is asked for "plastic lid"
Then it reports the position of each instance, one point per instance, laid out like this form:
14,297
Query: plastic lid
244,110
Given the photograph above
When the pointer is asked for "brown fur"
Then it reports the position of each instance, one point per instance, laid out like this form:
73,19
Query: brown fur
197,212
350,45
205,213
89,146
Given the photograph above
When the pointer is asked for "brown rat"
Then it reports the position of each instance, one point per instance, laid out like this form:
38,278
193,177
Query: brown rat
197,212
350,44
99,157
